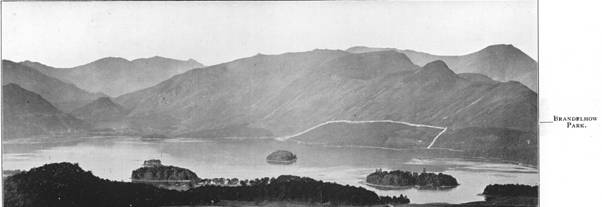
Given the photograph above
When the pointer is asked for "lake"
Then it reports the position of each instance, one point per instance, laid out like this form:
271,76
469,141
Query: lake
115,157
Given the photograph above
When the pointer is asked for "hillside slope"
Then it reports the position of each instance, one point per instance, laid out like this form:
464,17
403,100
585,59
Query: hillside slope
102,111
26,114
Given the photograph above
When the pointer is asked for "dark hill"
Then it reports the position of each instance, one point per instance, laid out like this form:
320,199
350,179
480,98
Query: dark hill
27,114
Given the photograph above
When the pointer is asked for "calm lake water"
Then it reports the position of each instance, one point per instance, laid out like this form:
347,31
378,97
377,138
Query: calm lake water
115,157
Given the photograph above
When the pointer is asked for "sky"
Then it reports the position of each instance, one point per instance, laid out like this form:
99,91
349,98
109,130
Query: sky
67,34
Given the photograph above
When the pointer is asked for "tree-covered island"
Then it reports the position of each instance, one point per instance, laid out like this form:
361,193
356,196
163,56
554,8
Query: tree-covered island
398,178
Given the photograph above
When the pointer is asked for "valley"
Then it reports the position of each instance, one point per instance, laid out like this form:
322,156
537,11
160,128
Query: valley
340,114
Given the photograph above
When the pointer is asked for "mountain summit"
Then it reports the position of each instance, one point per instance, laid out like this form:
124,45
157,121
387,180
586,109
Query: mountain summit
115,76
500,62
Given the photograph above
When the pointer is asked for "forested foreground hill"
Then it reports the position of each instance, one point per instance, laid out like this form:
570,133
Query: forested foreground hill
66,184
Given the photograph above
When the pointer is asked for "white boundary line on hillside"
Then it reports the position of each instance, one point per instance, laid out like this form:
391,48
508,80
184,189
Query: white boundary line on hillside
443,129
436,137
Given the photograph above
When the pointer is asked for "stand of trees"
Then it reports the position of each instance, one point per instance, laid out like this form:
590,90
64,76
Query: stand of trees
406,178
66,184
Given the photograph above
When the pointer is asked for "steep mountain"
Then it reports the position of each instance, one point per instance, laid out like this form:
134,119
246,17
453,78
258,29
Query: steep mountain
116,76
27,114
500,62
100,110
63,95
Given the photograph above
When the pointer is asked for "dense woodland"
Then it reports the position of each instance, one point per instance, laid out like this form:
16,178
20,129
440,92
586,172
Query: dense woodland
163,173
406,178
511,190
66,184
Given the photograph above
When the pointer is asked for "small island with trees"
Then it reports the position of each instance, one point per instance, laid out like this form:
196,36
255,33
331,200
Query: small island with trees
511,190
170,177
400,179
281,157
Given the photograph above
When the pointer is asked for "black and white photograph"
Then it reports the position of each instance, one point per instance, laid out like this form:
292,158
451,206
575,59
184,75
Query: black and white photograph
320,103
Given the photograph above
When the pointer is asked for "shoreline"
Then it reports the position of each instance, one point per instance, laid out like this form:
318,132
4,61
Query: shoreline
286,162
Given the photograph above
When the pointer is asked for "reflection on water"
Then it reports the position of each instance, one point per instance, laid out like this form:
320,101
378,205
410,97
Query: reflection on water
115,157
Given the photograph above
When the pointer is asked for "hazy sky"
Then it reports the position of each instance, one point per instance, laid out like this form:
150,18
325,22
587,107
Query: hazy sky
66,34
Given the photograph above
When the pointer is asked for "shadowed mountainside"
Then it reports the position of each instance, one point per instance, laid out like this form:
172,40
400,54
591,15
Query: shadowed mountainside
27,114
500,62
117,76
507,144
63,95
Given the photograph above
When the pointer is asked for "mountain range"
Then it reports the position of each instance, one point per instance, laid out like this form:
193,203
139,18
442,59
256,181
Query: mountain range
291,92
116,76
499,62
476,98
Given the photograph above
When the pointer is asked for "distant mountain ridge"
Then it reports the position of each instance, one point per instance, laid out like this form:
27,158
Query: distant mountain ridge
27,114
115,76
63,95
499,62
